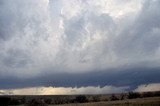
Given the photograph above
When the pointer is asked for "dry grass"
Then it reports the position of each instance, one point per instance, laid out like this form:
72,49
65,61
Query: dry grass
152,101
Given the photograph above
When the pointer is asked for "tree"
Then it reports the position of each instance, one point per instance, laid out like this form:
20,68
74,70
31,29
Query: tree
113,97
5,100
96,98
81,99
133,95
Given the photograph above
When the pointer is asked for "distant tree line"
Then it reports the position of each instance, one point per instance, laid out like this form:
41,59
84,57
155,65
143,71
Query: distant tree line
45,100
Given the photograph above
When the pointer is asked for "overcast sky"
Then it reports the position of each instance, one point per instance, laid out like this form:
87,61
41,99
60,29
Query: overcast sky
69,43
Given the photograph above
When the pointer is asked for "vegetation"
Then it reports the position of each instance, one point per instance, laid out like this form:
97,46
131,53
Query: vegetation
152,101
133,95
113,98
81,99
124,98
5,100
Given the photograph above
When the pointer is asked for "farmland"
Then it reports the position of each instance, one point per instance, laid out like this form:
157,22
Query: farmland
151,101
123,99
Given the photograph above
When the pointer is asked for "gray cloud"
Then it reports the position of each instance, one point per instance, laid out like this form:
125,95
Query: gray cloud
117,77
142,36
40,39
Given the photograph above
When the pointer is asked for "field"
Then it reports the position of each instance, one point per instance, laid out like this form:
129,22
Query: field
123,99
151,101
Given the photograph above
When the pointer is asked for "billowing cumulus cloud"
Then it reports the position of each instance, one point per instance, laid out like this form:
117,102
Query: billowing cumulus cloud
43,39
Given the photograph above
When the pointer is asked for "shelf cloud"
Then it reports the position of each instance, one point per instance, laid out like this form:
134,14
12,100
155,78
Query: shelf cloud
46,42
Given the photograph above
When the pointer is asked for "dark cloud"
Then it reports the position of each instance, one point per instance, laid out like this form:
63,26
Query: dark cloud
77,39
125,77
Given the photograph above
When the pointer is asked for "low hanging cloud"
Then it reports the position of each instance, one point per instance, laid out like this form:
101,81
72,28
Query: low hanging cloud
148,87
64,91
78,90
41,39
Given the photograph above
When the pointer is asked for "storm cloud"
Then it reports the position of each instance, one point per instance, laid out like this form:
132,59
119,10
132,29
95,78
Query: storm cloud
79,43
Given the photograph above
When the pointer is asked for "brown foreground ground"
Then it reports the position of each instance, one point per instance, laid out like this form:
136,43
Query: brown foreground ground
150,101
122,99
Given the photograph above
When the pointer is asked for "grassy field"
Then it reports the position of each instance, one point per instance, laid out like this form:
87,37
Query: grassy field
151,101
122,99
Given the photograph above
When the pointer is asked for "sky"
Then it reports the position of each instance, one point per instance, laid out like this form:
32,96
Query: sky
71,46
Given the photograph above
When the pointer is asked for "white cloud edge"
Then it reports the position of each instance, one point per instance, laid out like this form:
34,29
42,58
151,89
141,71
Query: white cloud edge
78,90
63,90
148,87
